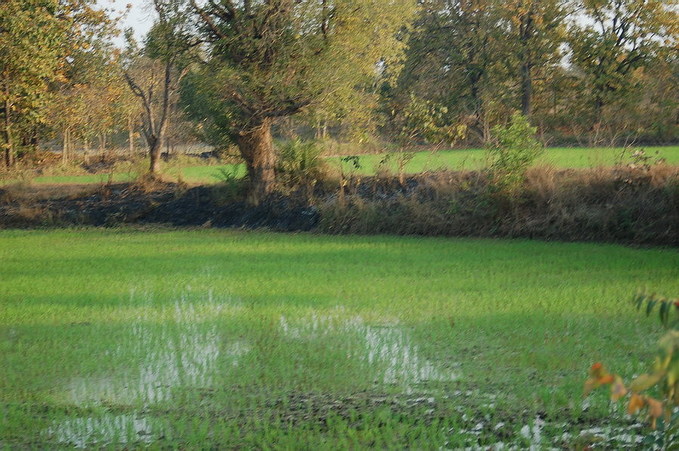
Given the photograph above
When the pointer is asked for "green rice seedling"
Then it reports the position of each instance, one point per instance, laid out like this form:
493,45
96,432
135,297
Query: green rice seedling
127,338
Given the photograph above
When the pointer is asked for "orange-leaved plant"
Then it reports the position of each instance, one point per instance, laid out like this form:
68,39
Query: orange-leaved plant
664,372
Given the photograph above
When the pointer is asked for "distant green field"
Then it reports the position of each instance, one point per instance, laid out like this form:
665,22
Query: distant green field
209,339
455,159
422,161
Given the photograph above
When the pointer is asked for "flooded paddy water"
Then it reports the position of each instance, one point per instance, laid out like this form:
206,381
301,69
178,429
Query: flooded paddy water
205,344
184,367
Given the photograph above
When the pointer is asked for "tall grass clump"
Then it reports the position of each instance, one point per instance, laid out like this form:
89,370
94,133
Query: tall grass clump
300,163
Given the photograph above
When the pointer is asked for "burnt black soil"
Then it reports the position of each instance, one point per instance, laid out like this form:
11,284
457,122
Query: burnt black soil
166,204
618,206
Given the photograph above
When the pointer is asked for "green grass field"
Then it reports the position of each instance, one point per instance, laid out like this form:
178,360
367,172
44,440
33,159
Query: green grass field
450,159
225,339
422,161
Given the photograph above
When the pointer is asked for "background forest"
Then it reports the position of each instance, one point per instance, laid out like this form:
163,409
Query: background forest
586,73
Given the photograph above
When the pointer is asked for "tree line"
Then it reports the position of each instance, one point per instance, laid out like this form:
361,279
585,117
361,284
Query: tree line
585,72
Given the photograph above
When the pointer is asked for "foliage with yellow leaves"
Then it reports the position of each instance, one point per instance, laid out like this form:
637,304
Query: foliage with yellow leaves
663,374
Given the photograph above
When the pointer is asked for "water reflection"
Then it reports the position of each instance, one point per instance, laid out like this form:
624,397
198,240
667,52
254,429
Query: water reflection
190,349
388,349
392,349
180,352
122,430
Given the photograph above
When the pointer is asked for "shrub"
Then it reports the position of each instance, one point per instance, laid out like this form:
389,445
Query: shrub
514,150
423,121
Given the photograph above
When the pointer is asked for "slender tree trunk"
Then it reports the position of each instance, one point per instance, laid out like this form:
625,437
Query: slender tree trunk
102,145
130,135
65,148
256,147
166,136
34,140
7,136
479,125
86,149
598,108
526,33
526,89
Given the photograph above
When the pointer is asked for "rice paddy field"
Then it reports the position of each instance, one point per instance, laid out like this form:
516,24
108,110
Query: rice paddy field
208,339
371,164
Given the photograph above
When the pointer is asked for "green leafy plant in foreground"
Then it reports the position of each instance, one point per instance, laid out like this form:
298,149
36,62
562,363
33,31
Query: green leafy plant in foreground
663,376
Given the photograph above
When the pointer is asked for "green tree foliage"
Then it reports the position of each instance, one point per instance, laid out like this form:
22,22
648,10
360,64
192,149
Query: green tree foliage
88,102
483,59
536,30
454,59
275,58
617,37
31,39
40,41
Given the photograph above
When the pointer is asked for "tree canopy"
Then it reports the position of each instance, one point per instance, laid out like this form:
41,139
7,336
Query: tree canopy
275,58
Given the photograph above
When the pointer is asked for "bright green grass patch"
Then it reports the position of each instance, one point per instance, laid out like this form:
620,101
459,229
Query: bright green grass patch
85,179
217,339
451,159
476,158
421,162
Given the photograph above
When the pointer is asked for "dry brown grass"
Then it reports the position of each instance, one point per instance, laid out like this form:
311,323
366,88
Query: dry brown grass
622,204
614,205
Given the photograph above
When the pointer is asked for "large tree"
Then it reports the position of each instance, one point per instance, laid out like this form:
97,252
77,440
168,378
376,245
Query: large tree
155,71
269,59
535,33
38,42
87,101
616,37
456,58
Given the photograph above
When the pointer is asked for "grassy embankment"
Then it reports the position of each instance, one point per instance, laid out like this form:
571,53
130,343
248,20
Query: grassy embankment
422,161
230,339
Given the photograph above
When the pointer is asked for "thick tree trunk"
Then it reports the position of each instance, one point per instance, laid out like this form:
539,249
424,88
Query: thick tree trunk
155,147
256,147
